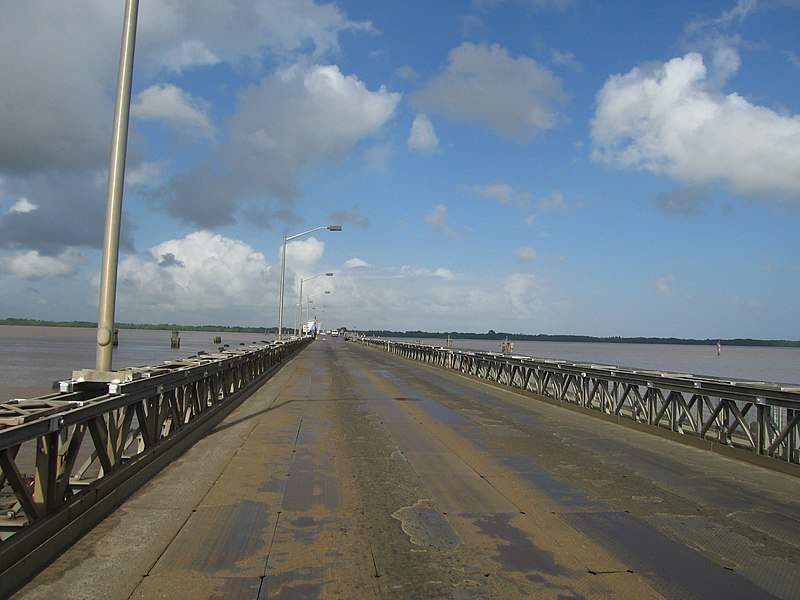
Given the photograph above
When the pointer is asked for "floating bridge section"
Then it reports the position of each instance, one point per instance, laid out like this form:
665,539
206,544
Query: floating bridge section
759,421
71,457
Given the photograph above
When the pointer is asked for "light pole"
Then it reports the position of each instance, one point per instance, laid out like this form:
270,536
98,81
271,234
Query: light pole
309,302
283,268
116,178
299,316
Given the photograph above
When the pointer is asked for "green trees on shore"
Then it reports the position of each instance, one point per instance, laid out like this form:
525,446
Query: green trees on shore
160,326
416,334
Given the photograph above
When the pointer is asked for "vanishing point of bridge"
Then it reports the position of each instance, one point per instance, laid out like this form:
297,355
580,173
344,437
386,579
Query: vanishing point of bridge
352,473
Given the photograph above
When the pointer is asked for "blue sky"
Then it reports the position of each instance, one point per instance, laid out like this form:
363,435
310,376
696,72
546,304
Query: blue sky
534,166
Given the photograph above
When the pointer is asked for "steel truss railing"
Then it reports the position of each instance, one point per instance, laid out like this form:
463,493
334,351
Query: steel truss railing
758,417
63,453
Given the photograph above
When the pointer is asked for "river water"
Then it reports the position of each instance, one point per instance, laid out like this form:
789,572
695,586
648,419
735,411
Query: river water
748,363
35,357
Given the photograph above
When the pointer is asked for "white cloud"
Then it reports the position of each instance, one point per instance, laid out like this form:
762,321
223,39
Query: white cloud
551,203
567,60
174,33
146,174
355,263
58,75
414,297
691,201
175,107
30,264
23,205
57,83
189,53
423,137
300,118
483,84
664,285
503,192
194,278
666,121
302,255
351,216
525,253
438,220
506,194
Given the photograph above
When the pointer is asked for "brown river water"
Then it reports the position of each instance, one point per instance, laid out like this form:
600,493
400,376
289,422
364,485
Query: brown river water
35,357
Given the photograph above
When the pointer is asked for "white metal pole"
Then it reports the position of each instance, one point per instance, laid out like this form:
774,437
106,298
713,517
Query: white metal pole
283,275
283,269
116,179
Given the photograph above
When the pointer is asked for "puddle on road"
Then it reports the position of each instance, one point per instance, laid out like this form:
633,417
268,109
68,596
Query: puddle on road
517,551
312,481
678,570
442,414
563,491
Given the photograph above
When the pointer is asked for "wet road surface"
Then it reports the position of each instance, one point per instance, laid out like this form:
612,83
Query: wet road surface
356,474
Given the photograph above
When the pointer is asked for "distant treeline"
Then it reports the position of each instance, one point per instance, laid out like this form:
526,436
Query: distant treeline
160,326
382,333
544,337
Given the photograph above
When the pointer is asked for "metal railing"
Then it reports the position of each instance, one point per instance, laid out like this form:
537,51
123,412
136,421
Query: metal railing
756,417
75,455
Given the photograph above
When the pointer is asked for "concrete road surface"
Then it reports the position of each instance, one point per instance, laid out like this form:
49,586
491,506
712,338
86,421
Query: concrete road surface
354,474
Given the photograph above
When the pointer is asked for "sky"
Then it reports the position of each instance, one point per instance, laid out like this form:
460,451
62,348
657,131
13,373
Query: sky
581,167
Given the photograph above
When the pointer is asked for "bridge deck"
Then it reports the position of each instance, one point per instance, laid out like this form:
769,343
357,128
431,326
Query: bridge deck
355,474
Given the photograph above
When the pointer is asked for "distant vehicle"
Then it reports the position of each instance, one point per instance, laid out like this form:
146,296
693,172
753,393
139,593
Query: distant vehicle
335,332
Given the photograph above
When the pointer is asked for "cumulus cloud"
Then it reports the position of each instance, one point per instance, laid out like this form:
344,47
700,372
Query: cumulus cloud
438,220
196,277
664,285
525,253
30,264
516,97
302,255
188,54
423,137
175,107
71,209
351,216
23,205
686,201
178,36
293,121
664,119
567,60
435,299
146,174
443,273
56,107
58,69
506,194
355,263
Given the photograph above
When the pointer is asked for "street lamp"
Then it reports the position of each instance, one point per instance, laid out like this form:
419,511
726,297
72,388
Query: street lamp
283,268
116,179
299,316
309,301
